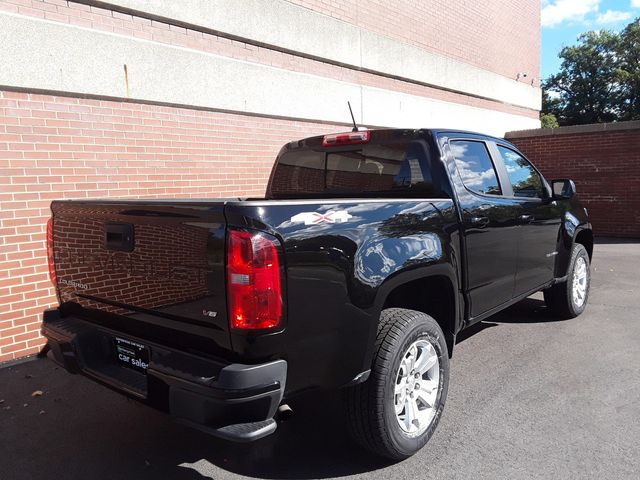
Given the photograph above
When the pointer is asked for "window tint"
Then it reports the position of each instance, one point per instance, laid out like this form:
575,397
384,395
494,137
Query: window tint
374,169
475,167
386,168
302,172
525,181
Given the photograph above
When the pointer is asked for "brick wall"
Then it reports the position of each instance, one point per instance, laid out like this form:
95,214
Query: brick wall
61,147
604,162
500,36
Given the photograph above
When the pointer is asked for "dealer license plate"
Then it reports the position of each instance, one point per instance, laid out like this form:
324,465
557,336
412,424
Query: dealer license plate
132,354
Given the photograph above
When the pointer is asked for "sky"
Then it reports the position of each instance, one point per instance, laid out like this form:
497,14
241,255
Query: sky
564,20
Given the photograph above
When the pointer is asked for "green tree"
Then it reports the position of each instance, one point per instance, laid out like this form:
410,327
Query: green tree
629,58
549,120
551,104
599,80
588,86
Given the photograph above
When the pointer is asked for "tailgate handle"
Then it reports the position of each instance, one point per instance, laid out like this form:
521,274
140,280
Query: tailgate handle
118,236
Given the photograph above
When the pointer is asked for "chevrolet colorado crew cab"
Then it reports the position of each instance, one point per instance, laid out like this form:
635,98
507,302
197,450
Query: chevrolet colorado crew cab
370,252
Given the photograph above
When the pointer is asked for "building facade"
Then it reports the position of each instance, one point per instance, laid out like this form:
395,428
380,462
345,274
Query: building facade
130,98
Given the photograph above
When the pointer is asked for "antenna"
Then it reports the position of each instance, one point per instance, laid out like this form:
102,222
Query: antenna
355,127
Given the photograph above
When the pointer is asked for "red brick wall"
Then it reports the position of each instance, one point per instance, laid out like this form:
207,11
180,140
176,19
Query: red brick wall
605,166
60,147
494,35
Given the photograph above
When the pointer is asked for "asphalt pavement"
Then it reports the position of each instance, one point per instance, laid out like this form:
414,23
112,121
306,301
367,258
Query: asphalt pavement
530,397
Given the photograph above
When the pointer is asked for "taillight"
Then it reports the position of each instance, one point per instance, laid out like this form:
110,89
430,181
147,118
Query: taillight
50,257
349,138
254,286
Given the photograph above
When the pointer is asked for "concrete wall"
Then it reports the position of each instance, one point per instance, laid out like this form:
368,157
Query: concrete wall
501,36
130,98
60,58
604,162
188,62
315,34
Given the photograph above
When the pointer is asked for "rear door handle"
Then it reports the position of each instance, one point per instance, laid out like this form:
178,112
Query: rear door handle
479,222
525,218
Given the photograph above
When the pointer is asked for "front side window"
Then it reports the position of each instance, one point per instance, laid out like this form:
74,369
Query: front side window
525,180
475,166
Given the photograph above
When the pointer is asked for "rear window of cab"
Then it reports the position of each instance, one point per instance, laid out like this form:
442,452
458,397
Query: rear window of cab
391,167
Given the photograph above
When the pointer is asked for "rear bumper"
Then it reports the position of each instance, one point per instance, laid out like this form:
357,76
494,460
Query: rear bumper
233,401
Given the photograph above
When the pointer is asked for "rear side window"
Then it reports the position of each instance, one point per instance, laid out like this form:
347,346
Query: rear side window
475,166
525,180
389,168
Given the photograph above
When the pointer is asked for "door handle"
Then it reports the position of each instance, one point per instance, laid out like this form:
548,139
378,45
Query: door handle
525,218
479,222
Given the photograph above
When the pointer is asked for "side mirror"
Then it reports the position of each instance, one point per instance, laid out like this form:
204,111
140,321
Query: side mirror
563,189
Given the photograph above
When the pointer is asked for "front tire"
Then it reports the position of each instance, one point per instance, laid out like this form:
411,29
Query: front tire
395,412
569,299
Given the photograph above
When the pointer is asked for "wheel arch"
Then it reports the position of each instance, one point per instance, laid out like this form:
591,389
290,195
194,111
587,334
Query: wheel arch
431,290
585,238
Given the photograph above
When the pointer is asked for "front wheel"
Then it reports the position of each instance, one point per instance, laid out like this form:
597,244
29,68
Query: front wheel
395,412
569,299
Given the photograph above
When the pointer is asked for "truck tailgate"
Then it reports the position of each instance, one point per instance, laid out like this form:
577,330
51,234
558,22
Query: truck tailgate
157,263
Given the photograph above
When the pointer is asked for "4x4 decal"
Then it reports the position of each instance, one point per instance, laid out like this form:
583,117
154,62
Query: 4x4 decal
314,218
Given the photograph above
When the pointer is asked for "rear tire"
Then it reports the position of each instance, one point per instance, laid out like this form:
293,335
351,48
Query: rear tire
395,412
569,299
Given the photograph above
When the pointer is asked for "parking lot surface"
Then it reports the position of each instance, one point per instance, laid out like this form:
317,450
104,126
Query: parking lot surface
530,397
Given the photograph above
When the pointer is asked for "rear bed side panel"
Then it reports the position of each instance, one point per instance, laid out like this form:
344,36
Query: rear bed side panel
338,254
149,268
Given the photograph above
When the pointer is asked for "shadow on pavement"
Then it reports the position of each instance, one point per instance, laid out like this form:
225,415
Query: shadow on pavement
474,329
313,444
529,310
78,429
88,431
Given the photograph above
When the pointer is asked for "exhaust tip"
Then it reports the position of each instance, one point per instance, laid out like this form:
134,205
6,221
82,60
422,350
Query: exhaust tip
284,413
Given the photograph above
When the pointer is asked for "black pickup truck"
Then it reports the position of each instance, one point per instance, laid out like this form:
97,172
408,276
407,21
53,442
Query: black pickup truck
370,252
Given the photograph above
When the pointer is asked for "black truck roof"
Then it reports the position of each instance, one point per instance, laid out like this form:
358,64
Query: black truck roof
416,131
